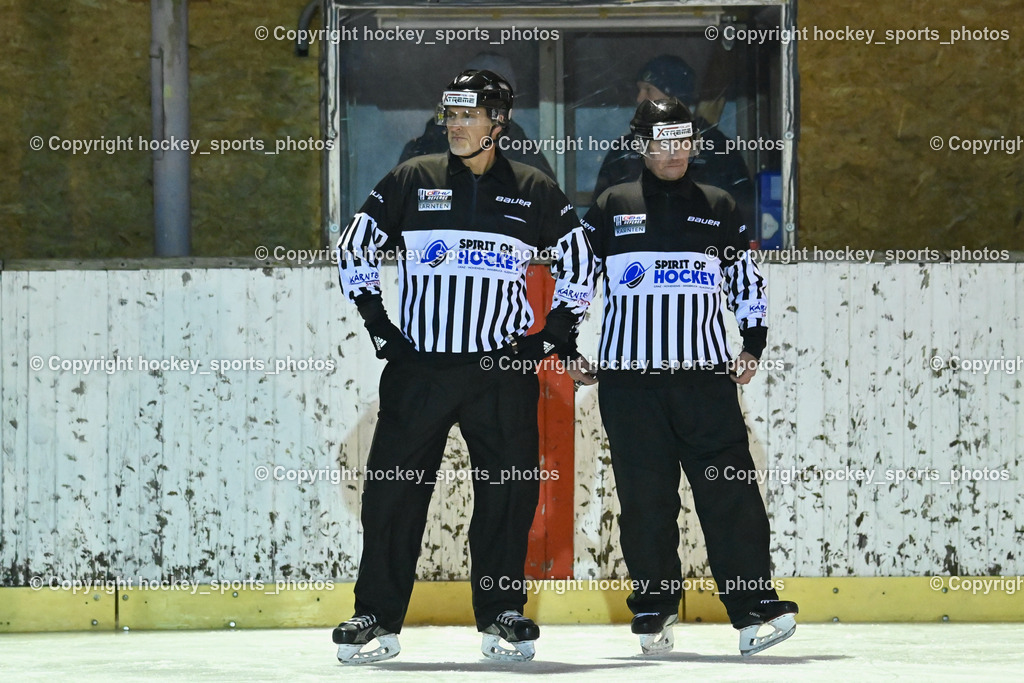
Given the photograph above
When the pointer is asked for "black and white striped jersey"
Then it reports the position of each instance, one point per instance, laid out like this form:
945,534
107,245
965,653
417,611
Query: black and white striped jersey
463,244
671,252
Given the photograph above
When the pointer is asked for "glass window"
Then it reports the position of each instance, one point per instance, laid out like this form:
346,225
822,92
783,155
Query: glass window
577,76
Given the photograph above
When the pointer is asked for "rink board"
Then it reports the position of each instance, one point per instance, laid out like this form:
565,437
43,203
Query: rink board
170,473
821,600
159,474
29,610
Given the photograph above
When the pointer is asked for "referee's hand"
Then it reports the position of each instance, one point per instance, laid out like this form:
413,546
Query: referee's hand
582,371
388,340
743,368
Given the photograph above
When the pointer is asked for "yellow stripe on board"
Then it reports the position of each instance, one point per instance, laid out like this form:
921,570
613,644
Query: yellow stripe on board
580,601
46,609
885,599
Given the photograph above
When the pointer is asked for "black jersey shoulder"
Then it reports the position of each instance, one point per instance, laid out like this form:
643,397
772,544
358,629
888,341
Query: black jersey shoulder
625,197
629,191
428,166
718,199
529,177
536,187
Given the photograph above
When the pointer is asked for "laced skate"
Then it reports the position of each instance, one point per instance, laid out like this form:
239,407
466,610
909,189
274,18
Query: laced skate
655,631
778,615
352,635
516,630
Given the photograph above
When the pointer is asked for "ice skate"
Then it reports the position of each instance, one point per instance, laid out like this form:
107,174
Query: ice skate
514,629
352,635
778,615
655,631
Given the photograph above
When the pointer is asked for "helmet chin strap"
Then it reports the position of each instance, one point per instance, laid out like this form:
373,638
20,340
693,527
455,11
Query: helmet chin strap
482,148
470,156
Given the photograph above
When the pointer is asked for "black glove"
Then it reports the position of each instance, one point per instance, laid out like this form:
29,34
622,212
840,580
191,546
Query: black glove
536,347
568,352
388,340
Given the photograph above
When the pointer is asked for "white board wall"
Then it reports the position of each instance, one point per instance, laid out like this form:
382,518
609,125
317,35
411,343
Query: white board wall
155,473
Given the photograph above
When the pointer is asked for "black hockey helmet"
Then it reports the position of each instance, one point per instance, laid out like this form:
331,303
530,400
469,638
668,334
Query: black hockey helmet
479,88
665,120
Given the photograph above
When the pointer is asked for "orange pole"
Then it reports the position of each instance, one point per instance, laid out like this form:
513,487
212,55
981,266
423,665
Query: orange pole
550,554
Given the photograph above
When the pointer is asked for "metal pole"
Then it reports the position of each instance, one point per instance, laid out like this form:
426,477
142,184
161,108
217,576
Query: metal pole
172,201
332,127
790,129
302,40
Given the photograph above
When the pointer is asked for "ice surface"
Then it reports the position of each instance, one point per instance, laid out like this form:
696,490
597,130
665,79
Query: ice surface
704,652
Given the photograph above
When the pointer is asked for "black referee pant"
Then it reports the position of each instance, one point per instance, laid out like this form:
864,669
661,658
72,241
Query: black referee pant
690,419
497,413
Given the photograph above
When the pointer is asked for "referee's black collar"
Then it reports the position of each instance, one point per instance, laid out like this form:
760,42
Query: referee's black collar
501,170
653,185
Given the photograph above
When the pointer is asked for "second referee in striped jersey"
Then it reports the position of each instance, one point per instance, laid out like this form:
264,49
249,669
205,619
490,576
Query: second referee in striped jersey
671,251
465,225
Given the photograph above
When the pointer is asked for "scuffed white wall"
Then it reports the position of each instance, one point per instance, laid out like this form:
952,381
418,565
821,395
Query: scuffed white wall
857,396
156,473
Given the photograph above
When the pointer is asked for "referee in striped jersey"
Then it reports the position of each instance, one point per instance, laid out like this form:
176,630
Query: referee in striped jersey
671,251
464,226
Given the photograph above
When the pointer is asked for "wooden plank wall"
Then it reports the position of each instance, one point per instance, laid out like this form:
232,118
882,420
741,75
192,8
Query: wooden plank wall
156,473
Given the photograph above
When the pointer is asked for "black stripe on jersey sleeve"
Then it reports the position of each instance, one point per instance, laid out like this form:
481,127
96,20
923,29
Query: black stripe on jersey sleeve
713,325
608,324
404,308
703,351
506,293
721,335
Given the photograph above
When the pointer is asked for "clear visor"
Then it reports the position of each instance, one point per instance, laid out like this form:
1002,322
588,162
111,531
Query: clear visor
671,148
465,116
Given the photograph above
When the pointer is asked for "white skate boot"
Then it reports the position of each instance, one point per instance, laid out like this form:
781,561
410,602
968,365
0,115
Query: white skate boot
778,615
655,631
514,629
352,635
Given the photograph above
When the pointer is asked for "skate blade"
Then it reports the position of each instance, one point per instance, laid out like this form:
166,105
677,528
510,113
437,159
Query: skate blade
751,643
657,643
491,647
387,647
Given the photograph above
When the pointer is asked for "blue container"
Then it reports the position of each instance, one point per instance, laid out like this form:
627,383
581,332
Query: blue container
769,214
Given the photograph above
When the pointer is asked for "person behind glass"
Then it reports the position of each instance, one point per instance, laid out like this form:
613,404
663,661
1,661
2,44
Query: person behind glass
465,226
670,76
672,251
434,139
